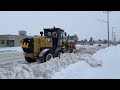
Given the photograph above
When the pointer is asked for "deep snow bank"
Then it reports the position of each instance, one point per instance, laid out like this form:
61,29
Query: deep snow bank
16,71
109,70
111,62
36,70
73,71
46,70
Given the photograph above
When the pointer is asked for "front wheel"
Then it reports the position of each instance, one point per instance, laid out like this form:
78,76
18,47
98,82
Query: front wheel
47,56
30,60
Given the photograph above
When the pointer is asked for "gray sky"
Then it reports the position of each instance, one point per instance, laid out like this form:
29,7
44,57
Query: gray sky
82,23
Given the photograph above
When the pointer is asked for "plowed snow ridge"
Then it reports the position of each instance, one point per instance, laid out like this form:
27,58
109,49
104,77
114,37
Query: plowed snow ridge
45,70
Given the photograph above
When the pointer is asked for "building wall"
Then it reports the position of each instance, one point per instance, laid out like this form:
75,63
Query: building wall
17,39
3,38
22,33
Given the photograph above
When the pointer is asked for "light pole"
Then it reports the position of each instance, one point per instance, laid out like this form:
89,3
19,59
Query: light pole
107,24
114,38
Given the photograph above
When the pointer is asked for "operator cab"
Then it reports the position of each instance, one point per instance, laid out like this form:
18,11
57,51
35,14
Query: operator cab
56,34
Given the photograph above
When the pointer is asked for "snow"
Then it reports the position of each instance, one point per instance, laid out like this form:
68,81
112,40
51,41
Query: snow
111,62
36,70
16,71
11,54
109,69
10,49
73,71
88,62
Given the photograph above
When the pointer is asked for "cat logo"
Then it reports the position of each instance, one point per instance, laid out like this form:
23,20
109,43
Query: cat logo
25,45
48,40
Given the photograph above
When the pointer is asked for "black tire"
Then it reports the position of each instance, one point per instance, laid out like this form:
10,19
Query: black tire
30,60
47,56
71,50
59,53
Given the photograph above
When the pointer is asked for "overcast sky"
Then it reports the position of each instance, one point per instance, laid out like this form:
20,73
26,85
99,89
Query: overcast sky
82,23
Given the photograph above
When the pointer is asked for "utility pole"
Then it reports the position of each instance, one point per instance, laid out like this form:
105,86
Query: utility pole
112,35
108,27
112,39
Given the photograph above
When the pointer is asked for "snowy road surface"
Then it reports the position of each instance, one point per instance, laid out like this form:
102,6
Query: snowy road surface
11,54
16,70
11,57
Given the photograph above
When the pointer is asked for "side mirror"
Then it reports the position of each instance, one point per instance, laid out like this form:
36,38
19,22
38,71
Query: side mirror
65,34
41,33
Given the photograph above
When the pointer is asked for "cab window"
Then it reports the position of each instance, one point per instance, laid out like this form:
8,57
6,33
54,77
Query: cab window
49,33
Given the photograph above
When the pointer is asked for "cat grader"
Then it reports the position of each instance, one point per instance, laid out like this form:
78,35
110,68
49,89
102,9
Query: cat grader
52,44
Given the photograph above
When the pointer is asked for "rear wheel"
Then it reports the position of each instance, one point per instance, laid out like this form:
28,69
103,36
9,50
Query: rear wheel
59,54
49,56
30,60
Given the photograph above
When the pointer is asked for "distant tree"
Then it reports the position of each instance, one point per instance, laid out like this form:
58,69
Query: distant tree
85,40
99,40
81,41
91,41
105,41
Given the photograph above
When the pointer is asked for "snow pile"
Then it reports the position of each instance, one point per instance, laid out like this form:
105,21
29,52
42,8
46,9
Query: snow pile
36,70
89,46
43,70
88,49
73,71
47,69
111,62
93,62
78,70
16,71
109,58
10,50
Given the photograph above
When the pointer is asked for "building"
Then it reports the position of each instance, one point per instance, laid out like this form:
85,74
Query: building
12,40
73,38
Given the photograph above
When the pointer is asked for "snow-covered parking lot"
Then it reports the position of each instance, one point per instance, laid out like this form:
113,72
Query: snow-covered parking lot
88,62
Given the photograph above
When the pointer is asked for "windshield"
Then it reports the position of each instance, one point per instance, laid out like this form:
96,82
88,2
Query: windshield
48,33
